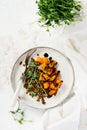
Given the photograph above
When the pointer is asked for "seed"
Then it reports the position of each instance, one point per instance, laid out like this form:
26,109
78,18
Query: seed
50,58
45,54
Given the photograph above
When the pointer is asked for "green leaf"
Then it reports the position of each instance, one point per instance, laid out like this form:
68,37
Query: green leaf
32,64
20,121
45,95
22,113
30,85
28,73
13,112
35,75
40,86
33,94
78,7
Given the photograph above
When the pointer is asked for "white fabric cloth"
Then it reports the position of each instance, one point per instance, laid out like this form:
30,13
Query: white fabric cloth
76,50
62,117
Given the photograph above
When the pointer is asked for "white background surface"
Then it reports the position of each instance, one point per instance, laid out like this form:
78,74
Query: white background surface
19,31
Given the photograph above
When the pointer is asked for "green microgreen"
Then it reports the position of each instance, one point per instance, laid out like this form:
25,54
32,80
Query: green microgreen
35,75
28,73
32,93
32,64
30,85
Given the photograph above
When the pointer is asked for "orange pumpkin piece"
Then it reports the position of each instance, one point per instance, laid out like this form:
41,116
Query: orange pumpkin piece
41,78
49,71
52,78
52,92
60,84
52,86
43,66
58,81
39,59
46,85
52,64
45,60
46,76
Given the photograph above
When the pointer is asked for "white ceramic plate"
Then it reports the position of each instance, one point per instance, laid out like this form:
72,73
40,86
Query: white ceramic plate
67,75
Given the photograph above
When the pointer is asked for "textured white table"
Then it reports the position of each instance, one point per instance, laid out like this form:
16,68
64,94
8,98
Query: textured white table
19,32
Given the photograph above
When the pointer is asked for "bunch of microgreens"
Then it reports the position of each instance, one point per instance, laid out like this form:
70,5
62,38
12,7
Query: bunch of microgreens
58,12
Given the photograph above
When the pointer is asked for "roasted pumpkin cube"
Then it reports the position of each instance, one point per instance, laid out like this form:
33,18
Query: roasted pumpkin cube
52,86
49,71
39,59
52,63
41,78
46,85
46,76
58,81
43,66
52,78
60,84
45,60
52,92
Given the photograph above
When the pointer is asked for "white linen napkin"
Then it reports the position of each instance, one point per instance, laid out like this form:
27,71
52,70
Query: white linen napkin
76,50
64,116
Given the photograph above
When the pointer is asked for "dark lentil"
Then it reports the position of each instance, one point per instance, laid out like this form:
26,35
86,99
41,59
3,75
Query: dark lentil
24,65
37,54
58,71
20,63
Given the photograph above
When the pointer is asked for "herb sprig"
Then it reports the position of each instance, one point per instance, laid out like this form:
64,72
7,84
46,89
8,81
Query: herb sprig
53,12
20,112
18,115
